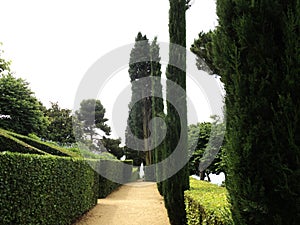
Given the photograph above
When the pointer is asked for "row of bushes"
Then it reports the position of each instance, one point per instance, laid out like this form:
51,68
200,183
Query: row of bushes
206,204
43,189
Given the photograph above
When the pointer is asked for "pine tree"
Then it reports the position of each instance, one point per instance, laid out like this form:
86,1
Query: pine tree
257,51
175,186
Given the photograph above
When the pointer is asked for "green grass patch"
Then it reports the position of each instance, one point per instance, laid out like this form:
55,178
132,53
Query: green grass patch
207,204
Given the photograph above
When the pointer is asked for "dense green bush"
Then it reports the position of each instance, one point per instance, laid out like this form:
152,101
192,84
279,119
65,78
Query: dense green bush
207,204
12,144
45,189
52,190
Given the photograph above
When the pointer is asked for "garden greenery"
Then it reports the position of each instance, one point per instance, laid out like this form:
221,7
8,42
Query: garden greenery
207,204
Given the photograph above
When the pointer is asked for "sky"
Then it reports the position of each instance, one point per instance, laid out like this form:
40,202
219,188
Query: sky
52,44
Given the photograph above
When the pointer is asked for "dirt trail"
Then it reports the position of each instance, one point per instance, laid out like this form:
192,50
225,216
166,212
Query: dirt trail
138,203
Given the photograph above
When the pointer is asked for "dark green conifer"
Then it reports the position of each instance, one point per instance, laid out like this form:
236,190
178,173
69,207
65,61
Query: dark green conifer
257,52
175,186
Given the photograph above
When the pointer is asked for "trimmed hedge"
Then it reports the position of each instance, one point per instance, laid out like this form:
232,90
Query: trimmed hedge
135,175
44,146
115,169
207,204
39,189
12,144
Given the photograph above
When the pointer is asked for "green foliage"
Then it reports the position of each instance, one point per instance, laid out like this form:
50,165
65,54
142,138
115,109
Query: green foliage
174,187
198,137
140,104
4,64
50,148
45,189
60,128
157,110
19,102
203,48
12,144
257,51
113,146
115,169
91,116
207,204
53,190
89,124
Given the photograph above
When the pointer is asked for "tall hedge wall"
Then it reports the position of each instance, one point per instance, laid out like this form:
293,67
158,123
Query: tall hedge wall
39,189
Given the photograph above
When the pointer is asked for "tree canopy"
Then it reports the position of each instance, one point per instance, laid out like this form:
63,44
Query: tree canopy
60,128
25,111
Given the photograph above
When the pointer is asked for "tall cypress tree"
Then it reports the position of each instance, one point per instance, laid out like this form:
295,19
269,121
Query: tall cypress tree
175,186
140,112
157,108
257,51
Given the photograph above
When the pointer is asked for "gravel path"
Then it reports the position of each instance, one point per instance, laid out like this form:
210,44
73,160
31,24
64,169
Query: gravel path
137,203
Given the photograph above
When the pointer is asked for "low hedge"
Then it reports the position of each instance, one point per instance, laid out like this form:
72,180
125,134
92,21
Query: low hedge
12,144
44,146
206,204
48,189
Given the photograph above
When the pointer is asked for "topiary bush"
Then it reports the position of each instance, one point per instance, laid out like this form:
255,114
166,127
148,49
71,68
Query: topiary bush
207,204
12,144
44,146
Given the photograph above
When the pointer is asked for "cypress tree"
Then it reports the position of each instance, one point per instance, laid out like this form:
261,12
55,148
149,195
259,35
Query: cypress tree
175,186
257,51
157,108
140,112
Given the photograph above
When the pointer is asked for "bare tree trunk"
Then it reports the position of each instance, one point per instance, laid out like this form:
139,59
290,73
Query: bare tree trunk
202,175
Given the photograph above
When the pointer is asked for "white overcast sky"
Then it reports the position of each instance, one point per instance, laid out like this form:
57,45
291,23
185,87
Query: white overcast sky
53,43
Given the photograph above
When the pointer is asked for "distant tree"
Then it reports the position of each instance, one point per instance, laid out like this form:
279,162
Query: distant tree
91,115
18,101
113,146
4,64
140,112
198,137
205,158
60,128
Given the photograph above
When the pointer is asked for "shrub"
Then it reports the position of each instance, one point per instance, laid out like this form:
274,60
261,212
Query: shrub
12,144
49,189
45,189
207,204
